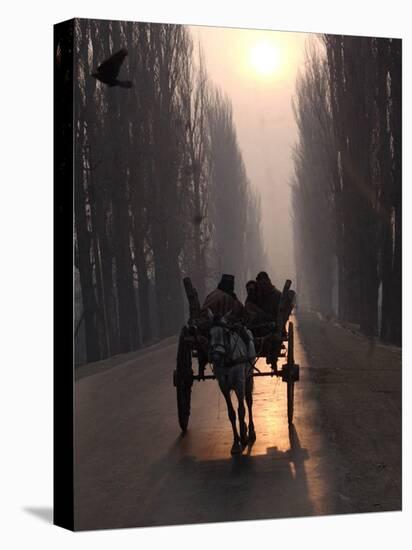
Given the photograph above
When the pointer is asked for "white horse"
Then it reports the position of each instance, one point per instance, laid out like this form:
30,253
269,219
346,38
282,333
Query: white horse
232,362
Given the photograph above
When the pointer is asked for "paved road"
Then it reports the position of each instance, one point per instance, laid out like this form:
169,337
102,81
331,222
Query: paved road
135,469
358,386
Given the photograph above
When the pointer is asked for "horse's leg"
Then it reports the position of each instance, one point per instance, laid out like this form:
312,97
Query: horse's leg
236,447
249,403
241,415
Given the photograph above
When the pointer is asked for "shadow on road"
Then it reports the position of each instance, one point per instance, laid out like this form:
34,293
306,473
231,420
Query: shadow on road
185,488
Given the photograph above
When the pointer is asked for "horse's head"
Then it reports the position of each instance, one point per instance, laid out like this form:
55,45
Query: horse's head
219,341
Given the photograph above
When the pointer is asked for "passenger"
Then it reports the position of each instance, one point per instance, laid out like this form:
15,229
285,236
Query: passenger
254,313
268,296
251,298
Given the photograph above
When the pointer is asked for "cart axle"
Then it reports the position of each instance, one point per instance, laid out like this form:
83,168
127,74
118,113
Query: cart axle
272,373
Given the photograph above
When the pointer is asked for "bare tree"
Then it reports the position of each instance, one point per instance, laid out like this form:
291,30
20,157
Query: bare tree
146,210
347,109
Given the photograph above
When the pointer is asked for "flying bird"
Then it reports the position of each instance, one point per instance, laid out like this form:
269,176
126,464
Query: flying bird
107,72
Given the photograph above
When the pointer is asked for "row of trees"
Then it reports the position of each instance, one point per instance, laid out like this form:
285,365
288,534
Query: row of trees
160,186
347,182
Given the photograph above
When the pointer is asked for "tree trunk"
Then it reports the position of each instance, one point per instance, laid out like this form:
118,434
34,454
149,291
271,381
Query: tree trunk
85,266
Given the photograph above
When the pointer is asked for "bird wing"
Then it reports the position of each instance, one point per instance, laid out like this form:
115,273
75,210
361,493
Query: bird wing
113,63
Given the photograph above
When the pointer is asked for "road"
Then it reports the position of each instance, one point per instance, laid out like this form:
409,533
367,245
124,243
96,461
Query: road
358,387
133,467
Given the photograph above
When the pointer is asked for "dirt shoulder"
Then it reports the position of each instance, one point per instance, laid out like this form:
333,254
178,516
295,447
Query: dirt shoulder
358,387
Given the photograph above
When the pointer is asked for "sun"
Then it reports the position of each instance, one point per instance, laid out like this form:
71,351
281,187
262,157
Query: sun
265,58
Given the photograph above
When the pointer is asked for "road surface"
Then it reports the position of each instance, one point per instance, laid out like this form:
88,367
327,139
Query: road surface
133,467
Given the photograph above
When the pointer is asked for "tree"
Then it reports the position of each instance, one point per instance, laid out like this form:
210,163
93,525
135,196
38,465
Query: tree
347,161
145,197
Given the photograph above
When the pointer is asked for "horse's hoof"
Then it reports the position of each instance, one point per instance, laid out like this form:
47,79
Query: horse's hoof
236,448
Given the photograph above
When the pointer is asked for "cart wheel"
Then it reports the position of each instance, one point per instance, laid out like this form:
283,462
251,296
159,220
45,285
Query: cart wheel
290,374
183,381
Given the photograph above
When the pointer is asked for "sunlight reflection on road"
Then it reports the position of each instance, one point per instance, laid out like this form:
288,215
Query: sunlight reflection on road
302,447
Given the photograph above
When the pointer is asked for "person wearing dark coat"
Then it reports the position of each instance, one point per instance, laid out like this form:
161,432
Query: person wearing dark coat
255,314
251,290
268,300
223,299
268,296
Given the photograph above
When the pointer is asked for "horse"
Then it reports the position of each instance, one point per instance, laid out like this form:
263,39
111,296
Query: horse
232,362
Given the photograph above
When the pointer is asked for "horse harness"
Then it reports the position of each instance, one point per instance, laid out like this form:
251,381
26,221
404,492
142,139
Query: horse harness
239,360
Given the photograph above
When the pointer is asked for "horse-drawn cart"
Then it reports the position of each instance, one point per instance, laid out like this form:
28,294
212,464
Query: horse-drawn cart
277,342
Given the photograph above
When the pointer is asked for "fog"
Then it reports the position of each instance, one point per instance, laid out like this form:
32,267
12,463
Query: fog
261,96
179,175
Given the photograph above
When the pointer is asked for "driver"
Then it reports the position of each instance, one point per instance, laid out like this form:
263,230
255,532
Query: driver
223,300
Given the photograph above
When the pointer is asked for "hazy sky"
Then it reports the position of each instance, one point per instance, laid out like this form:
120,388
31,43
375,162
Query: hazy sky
257,69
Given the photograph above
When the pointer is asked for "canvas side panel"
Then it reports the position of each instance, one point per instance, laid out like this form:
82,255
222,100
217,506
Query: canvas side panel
63,275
